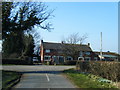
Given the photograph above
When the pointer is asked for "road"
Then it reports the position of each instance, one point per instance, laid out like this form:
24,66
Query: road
28,68
41,76
46,80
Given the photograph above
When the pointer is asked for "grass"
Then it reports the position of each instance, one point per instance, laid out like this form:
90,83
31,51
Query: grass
8,78
86,80
8,64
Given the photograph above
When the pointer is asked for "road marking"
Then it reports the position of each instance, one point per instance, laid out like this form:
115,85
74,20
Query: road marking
47,77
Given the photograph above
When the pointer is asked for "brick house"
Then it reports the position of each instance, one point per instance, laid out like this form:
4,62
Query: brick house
56,51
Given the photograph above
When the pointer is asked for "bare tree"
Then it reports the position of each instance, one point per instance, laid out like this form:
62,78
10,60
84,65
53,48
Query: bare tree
72,43
37,38
75,38
83,38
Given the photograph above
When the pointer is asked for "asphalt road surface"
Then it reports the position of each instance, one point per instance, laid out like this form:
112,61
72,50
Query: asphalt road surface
29,68
44,80
41,76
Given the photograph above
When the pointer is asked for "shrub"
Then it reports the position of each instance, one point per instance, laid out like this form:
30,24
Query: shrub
14,61
109,70
70,62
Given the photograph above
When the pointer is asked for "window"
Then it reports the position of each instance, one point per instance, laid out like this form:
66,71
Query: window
47,51
69,58
87,58
95,58
87,53
47,58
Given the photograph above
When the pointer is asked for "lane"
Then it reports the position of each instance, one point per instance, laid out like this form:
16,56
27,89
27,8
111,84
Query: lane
28,68
41,76
47,80
47,77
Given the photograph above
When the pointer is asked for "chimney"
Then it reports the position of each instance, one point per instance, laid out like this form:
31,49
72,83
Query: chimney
41,41
89,44
62,42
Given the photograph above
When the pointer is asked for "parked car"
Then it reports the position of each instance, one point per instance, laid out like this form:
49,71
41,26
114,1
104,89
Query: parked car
35,60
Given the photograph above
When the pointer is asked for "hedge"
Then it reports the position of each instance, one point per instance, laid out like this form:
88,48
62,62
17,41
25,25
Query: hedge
70,62
15,61
105,69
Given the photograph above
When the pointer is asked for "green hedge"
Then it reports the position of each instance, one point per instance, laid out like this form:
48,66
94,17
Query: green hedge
109,70
15,61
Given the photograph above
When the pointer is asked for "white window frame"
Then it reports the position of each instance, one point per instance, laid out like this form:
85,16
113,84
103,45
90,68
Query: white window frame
82,58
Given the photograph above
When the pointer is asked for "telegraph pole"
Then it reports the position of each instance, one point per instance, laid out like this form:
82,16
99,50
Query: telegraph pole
101,48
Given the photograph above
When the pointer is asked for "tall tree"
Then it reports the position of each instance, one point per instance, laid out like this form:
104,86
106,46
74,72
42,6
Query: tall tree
29,45
18,18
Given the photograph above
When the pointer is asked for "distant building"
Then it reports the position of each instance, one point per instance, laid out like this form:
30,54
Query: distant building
108,56
56,52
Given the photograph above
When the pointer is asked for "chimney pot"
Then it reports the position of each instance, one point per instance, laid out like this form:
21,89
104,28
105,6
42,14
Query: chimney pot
41,41
62,42
89,44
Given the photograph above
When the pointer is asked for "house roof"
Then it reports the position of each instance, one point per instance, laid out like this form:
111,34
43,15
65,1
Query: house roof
59,46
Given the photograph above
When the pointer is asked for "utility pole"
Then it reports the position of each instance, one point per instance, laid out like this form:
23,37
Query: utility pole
101,48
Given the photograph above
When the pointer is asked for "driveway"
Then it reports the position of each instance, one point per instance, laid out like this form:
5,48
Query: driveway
40,80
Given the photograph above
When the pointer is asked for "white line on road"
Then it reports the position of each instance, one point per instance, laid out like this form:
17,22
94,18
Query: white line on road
47,77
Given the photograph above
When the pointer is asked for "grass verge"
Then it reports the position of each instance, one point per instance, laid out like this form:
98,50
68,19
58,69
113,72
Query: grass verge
9,79
86,80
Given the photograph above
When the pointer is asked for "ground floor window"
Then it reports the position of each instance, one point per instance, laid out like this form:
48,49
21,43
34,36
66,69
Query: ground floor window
58,59
95,58
69,58
87,58
47,58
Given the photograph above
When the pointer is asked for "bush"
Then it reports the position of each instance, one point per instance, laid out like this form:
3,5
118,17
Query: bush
70,62
109,70
14,61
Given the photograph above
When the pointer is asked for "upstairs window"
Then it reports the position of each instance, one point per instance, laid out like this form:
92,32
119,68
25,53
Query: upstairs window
47,51
87,53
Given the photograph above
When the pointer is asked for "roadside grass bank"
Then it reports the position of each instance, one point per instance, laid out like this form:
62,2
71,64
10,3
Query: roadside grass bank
9,79
83,80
